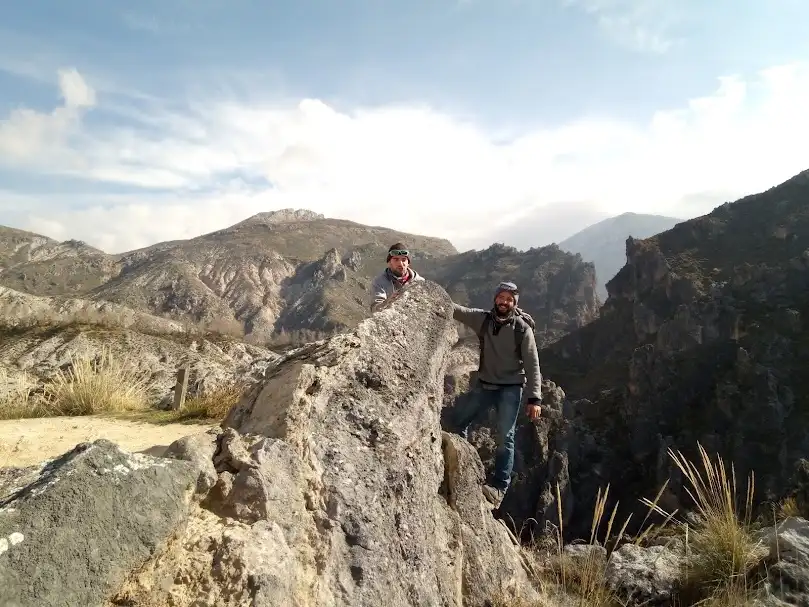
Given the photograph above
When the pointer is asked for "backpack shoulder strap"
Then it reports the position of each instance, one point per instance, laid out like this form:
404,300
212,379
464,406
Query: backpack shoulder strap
520,327
484,328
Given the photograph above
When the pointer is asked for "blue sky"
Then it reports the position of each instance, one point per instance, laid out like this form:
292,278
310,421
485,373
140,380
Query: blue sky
515,120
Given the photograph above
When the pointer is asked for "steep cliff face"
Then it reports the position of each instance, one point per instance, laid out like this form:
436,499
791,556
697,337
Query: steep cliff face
603,242
703,337
557,288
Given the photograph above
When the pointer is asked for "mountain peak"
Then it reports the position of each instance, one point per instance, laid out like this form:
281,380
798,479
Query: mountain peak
285,216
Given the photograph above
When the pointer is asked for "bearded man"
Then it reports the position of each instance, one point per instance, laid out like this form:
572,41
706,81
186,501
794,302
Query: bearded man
507,372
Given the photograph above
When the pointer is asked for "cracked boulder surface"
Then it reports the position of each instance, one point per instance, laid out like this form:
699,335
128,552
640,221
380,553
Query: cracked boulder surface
330,484
71,529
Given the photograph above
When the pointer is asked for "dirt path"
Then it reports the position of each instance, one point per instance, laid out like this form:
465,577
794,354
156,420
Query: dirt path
29,441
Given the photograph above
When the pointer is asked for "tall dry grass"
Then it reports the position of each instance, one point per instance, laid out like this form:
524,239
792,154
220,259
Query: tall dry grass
583,578
96,385
722,557
213,404
723,550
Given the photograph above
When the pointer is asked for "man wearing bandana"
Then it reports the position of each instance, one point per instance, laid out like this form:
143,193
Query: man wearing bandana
397,275
508,371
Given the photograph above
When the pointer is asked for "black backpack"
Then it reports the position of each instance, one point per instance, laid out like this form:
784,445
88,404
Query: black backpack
522,324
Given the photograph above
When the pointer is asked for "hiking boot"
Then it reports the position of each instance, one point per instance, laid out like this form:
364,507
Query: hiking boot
493,494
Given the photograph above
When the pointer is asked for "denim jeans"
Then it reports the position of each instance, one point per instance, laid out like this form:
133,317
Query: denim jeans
506,400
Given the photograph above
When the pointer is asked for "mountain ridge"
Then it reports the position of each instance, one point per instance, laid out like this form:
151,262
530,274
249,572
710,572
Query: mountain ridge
285,272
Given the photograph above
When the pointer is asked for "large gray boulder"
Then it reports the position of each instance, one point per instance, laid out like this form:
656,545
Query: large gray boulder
351,464
71,530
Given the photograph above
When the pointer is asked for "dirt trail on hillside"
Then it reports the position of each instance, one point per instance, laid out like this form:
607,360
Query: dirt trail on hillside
24,442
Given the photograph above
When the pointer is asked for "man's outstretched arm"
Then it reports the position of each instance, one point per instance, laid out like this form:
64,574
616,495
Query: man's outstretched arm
471,317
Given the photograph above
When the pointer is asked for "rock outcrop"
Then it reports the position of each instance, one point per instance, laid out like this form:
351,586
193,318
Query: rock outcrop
702,340
331,484
30,357
71,529
21,310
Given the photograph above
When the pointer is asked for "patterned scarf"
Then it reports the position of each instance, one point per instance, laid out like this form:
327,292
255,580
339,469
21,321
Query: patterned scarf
399,281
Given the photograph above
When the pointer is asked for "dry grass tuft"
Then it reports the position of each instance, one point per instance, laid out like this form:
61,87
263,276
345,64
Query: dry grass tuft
213,404
723,549
17,397
584,577
723,555
102,385
788,508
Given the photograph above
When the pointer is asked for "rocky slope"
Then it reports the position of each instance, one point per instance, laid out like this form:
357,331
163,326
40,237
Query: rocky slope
604,243
20,310
42,266
331,484
286,272
30,356
703,338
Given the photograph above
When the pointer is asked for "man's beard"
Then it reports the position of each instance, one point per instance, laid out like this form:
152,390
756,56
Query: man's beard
501,312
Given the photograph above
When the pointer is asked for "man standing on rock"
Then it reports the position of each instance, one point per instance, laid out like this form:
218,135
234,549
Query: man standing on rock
397,275
508,370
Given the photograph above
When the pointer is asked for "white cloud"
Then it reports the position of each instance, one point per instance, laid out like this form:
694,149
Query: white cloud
406,167
28,136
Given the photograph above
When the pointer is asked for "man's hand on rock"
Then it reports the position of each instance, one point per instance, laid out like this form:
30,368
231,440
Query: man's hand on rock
533,409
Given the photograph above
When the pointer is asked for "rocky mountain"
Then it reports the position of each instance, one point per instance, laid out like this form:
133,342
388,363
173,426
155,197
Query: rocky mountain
286,272
703,339
604,243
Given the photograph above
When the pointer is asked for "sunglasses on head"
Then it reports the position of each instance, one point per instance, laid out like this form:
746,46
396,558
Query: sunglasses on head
508,286
399,253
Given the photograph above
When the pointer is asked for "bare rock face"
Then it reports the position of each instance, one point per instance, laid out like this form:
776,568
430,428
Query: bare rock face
71,529
330,484
352,465
702,340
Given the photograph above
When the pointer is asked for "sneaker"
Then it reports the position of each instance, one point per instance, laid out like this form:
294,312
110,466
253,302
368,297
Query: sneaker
493,494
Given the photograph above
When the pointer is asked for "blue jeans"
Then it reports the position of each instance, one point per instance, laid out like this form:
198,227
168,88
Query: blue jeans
506,400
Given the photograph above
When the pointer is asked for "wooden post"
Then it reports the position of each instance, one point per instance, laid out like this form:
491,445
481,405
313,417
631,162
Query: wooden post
180,387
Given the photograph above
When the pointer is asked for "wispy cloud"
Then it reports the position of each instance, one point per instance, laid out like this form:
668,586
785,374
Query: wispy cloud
157,170
642,25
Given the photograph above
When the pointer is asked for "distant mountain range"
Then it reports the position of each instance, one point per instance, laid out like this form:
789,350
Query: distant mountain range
604,243
289,272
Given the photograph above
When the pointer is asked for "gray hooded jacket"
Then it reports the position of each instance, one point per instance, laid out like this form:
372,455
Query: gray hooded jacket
502,364
386,284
